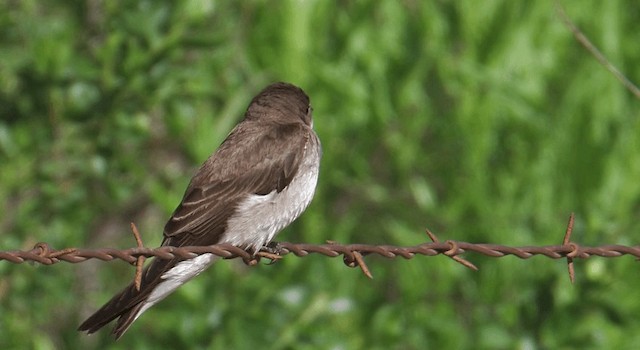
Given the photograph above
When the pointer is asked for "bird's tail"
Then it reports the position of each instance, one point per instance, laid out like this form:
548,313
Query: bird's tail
128,304
125,306
159,279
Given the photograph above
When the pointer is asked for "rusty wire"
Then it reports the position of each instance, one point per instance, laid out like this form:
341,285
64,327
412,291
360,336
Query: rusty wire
42,253
352,253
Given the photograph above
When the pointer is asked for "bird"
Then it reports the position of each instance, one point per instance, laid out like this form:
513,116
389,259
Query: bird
259,180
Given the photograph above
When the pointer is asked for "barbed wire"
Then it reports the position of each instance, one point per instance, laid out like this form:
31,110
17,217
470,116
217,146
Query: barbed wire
352,253
42,253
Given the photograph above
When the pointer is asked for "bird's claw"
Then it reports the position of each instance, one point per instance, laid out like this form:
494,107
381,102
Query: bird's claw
272,251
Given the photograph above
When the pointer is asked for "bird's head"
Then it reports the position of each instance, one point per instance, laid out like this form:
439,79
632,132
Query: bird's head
282,103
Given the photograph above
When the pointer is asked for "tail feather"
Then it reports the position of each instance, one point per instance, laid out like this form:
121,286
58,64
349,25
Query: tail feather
164,275
127,305
126,320
118,307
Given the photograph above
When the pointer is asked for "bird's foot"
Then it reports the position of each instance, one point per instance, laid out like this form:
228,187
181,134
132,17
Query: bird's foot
273,248
272,251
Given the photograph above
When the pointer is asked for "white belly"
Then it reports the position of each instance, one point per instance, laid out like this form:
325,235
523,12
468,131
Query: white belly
260,218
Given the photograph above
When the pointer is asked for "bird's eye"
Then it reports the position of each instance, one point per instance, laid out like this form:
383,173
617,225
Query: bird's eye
307,117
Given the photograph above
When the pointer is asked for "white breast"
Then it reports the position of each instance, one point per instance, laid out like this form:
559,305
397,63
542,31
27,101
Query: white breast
260,217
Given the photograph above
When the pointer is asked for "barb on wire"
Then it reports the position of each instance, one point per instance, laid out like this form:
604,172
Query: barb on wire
451,252
140,259
567,241
355,259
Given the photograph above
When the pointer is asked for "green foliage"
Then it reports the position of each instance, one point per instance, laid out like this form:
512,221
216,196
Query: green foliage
485,121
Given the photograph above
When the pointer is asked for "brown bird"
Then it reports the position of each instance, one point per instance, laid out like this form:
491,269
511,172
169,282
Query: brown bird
261,178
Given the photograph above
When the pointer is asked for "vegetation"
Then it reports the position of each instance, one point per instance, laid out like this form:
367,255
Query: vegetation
484,121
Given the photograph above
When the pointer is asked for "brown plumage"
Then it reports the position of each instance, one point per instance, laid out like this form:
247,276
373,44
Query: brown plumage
243,194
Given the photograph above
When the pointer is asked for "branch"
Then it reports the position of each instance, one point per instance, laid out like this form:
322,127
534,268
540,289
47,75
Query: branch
584,41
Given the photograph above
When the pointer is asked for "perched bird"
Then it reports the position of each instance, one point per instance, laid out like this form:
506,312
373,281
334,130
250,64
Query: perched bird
261,178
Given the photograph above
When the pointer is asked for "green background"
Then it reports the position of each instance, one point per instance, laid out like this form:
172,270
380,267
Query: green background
485,121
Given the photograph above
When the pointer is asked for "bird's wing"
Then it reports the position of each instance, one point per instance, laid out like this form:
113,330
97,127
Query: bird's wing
266,163
241,166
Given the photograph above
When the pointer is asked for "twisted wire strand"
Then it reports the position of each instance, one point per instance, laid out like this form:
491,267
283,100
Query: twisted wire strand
42,253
